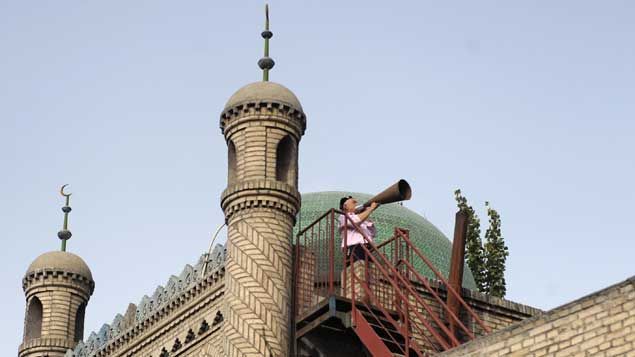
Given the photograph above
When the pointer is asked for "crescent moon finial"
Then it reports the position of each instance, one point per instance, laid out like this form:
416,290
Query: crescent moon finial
65,234
62,191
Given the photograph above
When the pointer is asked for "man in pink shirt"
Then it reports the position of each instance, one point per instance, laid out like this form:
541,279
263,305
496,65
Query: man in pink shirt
354,239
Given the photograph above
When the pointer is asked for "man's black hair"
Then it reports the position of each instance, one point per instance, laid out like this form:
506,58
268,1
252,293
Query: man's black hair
343,200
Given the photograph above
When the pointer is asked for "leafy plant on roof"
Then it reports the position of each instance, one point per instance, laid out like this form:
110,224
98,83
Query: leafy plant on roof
486,261
496,255
474,253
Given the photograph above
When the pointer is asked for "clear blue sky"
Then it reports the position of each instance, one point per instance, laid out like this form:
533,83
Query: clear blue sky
530,106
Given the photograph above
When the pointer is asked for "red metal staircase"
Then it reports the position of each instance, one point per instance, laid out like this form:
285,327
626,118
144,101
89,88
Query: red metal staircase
389,306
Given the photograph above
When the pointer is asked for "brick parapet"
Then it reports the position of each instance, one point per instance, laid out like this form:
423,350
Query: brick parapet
262,193
599,324
55,278
274,112
489,301
495,313
46,346
284,124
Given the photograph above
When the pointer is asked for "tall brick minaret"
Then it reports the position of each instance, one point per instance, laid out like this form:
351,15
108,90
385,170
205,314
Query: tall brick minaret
57,286
262,124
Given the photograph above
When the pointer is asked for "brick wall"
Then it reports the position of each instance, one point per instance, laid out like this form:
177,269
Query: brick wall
600,324
305,285
189,326
191,333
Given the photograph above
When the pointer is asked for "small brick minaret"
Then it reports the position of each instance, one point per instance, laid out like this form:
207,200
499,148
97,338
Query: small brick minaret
57,286
262,124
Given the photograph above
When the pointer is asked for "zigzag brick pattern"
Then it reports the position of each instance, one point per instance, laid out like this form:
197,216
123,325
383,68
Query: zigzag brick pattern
258,283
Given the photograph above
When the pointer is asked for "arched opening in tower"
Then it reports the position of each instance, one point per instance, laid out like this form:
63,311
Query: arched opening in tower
79,322
231,162
33,323
285,158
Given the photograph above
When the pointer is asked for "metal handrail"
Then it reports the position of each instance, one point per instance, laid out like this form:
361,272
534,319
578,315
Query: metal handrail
425,283
316,221
403,329
448,287
408,287
406,284
318,241
390,319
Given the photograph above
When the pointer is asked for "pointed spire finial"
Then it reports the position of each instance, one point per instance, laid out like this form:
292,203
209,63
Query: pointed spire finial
65,234
266,63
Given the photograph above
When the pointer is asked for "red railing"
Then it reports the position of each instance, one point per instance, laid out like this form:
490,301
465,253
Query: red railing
318,264
384,285
380,293
417,278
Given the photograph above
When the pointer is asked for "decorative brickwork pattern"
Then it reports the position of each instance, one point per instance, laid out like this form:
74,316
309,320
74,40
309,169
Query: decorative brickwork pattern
183,304
600,324
260,204
258,283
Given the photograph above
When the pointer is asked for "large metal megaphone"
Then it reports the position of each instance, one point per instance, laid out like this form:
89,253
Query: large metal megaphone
400,191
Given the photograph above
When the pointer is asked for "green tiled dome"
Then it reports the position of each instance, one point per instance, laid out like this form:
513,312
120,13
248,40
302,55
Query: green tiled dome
430,241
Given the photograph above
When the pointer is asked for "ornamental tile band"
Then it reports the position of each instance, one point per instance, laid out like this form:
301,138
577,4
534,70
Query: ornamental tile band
148,306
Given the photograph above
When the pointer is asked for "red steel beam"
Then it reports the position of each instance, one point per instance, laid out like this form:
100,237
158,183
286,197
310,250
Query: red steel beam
457,264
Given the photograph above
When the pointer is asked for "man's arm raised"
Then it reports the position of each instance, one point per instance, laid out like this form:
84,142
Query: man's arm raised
364,215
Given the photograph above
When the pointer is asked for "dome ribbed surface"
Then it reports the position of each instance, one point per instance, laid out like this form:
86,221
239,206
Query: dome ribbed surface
262,92
428,238
63,261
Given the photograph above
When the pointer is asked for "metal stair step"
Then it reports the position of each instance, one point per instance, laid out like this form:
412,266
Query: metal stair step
388,327
389,336
381,323
374,318
364,310
392,346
